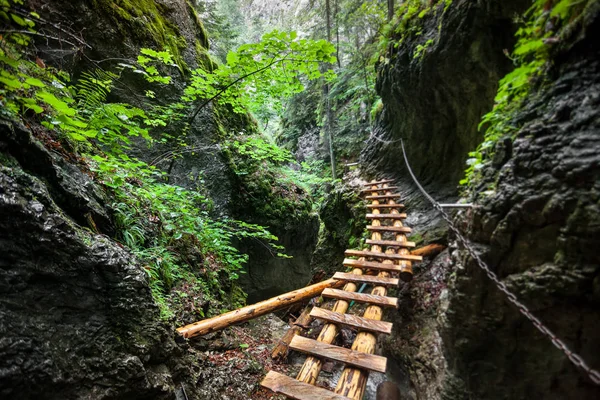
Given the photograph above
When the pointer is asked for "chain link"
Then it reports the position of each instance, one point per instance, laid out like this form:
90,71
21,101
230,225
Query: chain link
575,358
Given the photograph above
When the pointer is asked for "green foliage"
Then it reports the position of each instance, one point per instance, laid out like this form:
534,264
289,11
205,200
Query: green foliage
259,76
185,253
531,55
407,22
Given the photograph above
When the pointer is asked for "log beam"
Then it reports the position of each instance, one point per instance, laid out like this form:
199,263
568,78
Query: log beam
256,310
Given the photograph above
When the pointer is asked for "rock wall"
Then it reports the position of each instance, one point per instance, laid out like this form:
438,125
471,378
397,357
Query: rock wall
457,336
77,318
434,101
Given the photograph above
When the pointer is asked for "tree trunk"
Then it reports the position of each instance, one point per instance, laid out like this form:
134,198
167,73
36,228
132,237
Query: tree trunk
327,100
390,5
256,310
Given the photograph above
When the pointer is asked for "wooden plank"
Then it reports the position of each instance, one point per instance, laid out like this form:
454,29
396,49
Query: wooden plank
390,243
348,262
385,205
386,216
384,196
379,189
370,279
399,229
363,324
381,182
255,310
361,297
294,389
383,256
350,357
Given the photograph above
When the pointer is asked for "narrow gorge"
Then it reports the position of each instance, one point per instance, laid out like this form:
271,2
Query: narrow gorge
164,162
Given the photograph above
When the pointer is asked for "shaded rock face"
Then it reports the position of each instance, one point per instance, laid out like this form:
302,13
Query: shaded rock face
343,223
268,275
435,102
77,319
538,229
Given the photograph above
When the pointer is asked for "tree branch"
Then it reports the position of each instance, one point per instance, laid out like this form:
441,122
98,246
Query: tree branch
241,78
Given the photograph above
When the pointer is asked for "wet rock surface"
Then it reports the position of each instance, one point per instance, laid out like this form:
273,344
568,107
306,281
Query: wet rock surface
435,102
536,225
77,319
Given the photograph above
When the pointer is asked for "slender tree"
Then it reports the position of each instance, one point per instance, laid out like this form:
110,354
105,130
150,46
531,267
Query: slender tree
329,131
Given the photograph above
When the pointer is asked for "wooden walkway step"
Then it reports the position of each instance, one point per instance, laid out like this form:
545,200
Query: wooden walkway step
397,205
370,279
381,182
379,189
361,297
386,216
363,324
348,262
294,389
398,229
350,357
384,256
384,196
390,243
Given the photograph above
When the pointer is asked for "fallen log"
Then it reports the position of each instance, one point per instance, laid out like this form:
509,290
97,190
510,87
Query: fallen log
431,250
280,351
256,310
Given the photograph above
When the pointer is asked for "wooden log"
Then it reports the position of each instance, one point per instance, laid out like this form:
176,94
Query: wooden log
391,243
386,216
383,266
384,196
399,229
280,351
341,354
369,279
361,297
381,182
431,250
352,321
372,254
255,310
378,189
396,205
295,389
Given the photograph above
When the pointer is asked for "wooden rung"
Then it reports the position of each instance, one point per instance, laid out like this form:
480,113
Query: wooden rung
379,189
382,301
386,216
399,229
384,256
390,243
384,196
295,389
381,182
370,279
354,358
363,324
348,262
385,205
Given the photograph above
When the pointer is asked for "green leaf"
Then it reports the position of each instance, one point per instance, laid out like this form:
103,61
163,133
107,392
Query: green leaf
35,82
59,105
11,83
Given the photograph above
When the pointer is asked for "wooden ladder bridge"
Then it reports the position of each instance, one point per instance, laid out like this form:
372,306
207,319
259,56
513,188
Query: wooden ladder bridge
387,262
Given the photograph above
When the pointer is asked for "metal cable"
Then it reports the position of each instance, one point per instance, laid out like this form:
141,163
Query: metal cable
575,358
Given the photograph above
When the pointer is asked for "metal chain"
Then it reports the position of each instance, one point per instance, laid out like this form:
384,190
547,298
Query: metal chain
575,358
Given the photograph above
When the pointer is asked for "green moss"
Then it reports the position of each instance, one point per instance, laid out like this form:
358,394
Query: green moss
145,20
203,58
